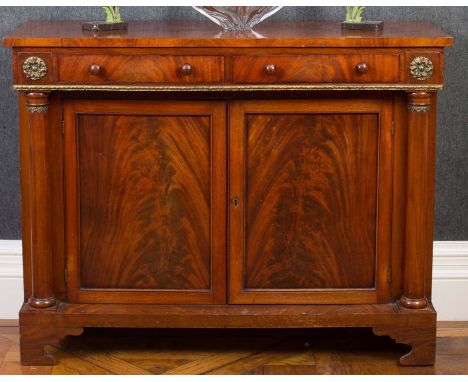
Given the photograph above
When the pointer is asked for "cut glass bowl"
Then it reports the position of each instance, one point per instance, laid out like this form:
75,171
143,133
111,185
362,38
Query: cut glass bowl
237,18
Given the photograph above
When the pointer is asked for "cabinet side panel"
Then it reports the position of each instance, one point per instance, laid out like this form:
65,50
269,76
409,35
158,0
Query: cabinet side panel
57,188
25,197
431,163
400,161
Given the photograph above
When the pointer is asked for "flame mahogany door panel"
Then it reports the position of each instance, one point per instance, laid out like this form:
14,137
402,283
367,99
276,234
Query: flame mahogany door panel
309,183
145,201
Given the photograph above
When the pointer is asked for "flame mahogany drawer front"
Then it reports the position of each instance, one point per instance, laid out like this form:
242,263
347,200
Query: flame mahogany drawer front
317,68
78,68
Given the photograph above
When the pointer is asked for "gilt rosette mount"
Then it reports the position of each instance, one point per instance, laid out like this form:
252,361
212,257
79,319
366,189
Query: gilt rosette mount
421,68
34,68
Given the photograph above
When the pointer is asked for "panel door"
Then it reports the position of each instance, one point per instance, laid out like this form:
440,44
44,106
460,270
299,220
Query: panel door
145,201
310,201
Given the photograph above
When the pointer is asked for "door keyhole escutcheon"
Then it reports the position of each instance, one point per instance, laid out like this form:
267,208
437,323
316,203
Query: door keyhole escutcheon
235,202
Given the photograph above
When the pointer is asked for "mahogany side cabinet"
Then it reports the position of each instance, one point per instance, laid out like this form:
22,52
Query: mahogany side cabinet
175,176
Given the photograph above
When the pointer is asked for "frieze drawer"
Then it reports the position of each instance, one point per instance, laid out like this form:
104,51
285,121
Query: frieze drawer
317,68
140,69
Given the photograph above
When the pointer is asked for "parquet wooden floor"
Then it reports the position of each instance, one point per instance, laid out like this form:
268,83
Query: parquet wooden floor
318,351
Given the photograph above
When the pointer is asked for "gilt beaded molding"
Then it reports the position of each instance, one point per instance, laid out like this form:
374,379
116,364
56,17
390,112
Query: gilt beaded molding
221,88
37,109
419,108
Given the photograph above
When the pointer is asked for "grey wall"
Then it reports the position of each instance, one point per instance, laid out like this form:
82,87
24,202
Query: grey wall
451,214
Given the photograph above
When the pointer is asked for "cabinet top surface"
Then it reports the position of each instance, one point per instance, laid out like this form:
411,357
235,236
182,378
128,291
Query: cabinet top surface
206,34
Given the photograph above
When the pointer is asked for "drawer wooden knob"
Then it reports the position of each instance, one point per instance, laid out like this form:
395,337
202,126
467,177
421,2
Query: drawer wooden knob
95,69
270,69
362,68
186,69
